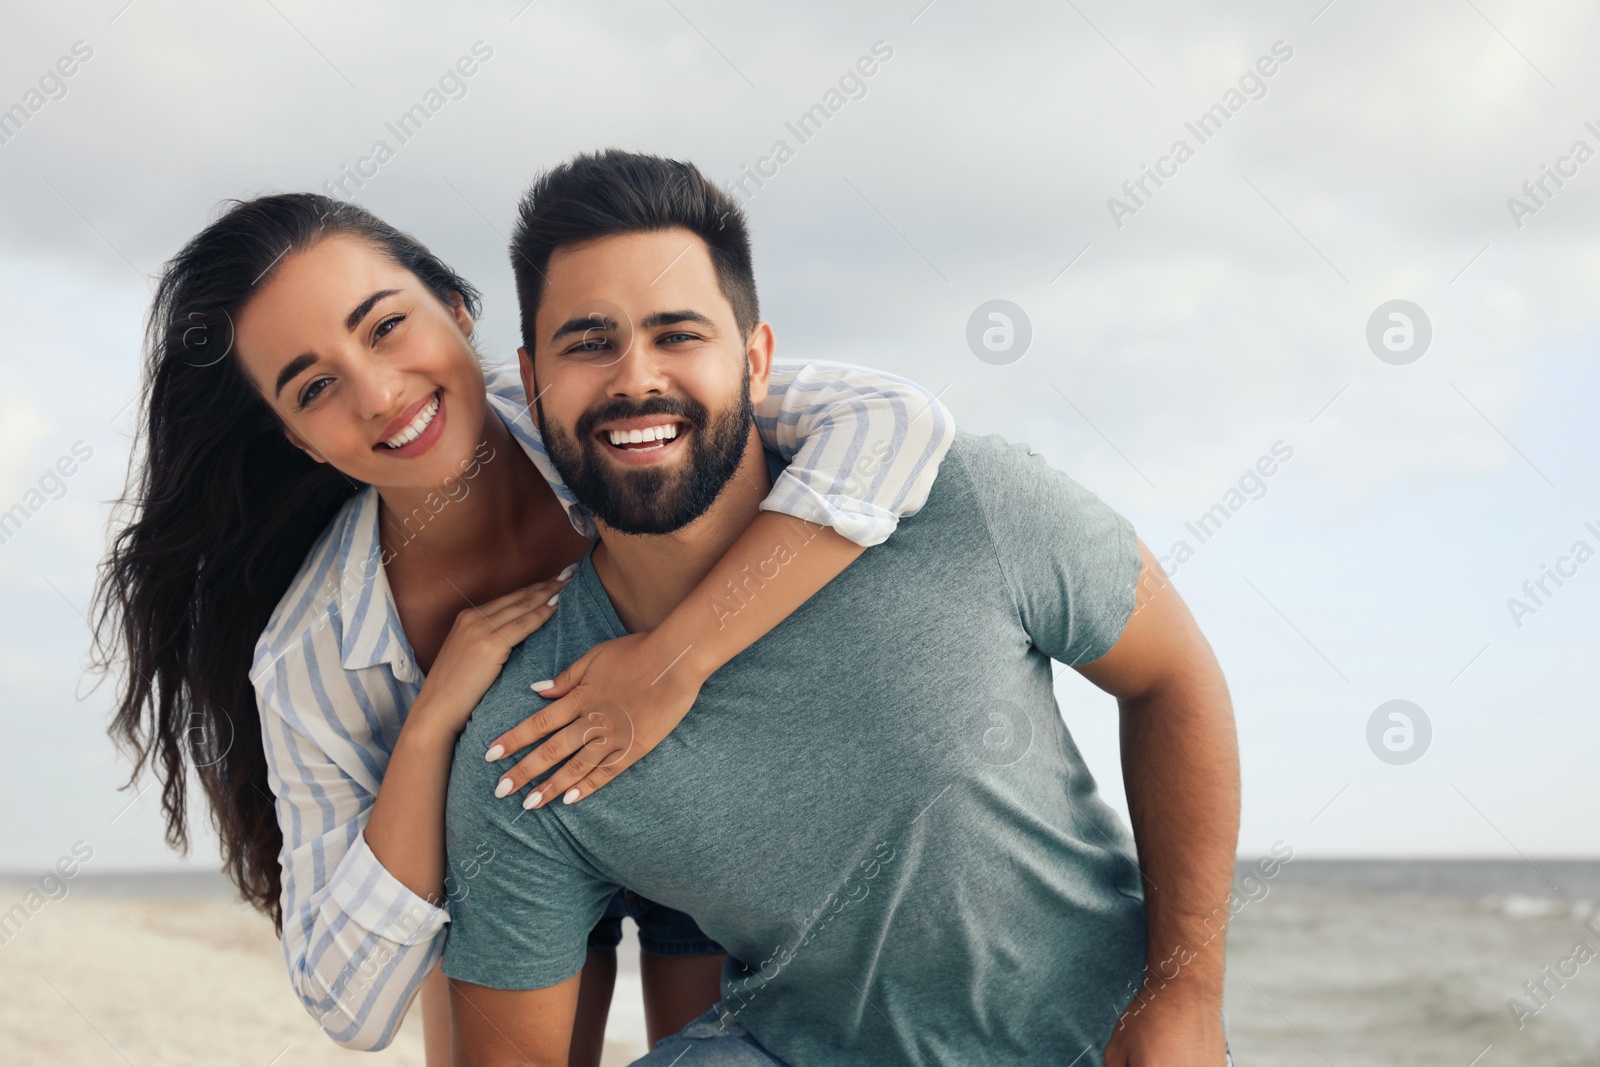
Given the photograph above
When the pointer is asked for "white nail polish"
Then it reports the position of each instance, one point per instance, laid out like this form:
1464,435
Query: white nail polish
505,786
552,601
539,687
572,794
494,753
567,572
533,799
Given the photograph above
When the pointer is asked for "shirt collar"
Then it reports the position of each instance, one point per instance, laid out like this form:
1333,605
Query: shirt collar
371,630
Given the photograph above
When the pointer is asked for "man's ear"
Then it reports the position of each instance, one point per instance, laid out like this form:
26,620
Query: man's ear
758,351
302,444
530,381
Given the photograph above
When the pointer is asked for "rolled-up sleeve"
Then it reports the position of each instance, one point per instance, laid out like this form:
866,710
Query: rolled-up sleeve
863,446
358,943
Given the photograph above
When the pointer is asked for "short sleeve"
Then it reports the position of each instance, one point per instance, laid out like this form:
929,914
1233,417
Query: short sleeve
522,897
1071,562
863,446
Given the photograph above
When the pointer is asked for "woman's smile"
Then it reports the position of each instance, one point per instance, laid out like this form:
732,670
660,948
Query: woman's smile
414,430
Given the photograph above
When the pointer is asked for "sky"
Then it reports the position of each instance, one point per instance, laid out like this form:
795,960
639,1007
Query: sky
1216,339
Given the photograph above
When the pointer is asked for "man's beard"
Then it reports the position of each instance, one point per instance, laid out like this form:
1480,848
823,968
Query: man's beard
649,500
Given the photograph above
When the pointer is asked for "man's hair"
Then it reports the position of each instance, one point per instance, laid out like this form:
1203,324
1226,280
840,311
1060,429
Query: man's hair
603,194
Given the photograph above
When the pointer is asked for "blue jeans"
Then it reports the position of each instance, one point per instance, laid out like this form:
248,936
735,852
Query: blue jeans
709,1042
706,1042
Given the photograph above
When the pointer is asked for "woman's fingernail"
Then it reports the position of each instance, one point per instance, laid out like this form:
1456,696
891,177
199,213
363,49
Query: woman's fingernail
572,794
539,687
506,785
552,601
533,799
567,572
494,753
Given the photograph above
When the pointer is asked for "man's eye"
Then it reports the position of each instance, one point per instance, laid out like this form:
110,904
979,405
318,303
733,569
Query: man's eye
677,338
386,326
593,344
312,389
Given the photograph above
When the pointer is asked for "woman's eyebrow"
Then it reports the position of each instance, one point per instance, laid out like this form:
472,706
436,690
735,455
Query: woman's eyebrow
292,369
354,318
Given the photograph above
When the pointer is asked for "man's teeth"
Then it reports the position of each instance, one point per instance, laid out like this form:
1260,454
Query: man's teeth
415,427
650,433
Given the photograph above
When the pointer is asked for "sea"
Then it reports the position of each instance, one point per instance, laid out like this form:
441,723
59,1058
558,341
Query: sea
1341,963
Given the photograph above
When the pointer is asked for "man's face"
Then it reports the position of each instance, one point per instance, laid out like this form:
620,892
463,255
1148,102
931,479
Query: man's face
642,386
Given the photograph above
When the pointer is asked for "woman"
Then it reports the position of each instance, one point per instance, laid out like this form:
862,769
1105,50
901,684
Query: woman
327,564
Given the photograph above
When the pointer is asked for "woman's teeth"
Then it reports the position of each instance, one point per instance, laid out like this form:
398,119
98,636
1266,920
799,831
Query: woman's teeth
415,427
654,436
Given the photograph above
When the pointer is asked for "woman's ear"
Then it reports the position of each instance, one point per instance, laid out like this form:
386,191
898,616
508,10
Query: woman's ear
458,306
302,444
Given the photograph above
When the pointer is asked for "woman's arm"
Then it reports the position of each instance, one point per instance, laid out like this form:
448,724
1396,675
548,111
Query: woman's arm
357,941
363,878
864,448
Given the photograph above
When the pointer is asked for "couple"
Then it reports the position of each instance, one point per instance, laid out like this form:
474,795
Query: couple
873,841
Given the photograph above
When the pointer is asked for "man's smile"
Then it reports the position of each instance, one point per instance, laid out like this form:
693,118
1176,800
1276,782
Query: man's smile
644,440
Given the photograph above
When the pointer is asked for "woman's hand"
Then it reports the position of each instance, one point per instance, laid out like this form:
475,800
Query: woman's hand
617,702
476,648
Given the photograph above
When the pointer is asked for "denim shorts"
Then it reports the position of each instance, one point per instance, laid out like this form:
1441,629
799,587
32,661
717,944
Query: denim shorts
715,1042
662,931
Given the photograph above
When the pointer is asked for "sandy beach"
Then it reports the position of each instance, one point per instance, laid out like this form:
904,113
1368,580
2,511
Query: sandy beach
1349,964
188,981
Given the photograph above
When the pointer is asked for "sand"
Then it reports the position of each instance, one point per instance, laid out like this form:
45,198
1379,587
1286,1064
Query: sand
195,982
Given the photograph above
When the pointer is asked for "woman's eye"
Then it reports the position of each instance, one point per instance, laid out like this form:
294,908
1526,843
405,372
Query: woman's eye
386,326
312,389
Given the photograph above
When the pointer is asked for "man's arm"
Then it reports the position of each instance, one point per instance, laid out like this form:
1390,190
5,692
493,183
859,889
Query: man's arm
1180,766
513,1027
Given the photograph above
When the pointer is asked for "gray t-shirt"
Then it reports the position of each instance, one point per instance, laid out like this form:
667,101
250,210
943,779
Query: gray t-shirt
876,808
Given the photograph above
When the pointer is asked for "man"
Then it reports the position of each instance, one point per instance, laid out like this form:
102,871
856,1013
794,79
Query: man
877,808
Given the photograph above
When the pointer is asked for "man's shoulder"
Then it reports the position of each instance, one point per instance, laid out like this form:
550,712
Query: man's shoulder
510,699
994,467
984,470
979,455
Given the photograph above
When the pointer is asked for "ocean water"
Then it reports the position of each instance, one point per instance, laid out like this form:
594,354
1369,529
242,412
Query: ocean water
1395,963
1415,963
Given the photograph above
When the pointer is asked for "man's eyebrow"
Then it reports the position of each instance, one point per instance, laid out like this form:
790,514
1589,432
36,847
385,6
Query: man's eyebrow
672,318
354,318
583,324
292,370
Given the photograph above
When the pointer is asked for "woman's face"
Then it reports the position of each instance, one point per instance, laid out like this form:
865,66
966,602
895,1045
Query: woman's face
367,369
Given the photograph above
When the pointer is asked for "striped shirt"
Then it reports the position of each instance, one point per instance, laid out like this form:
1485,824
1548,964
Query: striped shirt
334,674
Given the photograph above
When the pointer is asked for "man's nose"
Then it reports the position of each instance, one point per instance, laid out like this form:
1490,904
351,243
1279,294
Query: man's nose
639,371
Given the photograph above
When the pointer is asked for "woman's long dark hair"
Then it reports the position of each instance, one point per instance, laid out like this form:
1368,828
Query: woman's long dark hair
219,513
